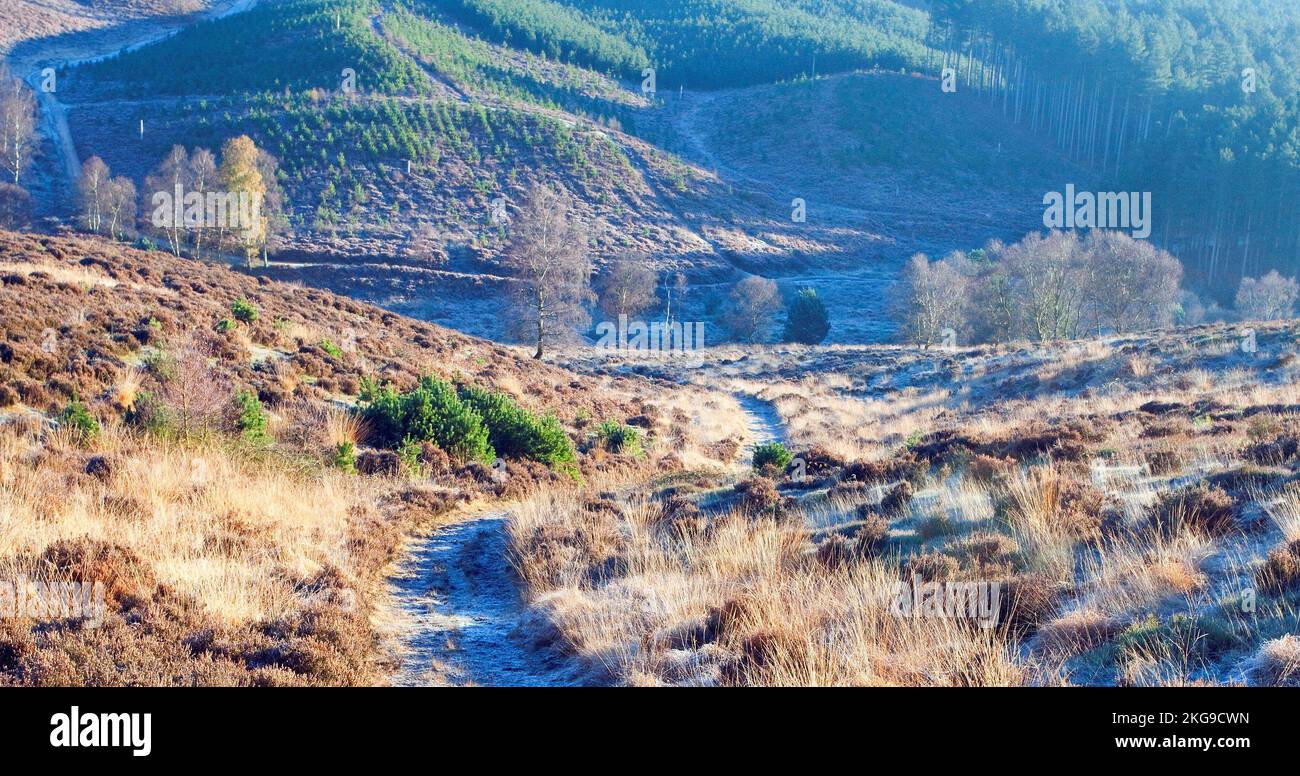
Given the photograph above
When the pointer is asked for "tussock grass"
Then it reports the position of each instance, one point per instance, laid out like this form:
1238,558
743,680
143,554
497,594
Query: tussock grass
239,536
1110,484
734,601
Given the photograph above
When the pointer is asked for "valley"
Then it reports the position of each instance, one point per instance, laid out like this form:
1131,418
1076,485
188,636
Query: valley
381,434
672,176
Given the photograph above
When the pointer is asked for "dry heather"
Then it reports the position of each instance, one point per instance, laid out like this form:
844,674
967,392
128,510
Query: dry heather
30,20
81,315
1134,500
230,553
219,567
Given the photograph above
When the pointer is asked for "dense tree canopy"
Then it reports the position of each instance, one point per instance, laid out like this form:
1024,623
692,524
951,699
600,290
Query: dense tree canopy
1196,101
711,43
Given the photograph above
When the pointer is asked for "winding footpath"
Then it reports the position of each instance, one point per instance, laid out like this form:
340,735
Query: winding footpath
762,421
466,614
467,620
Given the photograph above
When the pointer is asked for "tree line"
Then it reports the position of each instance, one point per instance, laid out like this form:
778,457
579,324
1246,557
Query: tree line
708,43
17,144
1192,100
1063,285
555,284
288,45
188,201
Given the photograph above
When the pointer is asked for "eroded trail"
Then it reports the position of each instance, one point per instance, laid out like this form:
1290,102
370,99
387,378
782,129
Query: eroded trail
468,618
467,621
762,421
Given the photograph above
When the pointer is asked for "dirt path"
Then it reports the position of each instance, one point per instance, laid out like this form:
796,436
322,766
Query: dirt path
635,151
762,420
54,114
468,617
689,124
449,86
467,621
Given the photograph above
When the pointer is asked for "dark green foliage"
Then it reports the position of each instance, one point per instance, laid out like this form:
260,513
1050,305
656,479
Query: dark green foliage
557,30
475,65
250,417
382,410
433,412
1154,95
408,452
709,43
243,310
345,457
469,424
771,457
517,433
288,44
619,438
807,321
77,419
1147,96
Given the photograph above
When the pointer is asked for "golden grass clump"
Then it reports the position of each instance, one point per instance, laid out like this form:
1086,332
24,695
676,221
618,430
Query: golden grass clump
238,567
1277,663
742,601
238,536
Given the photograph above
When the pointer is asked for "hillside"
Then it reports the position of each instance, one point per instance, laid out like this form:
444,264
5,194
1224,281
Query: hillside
453,111
76,23
1191,100
1128,505
1131,500
194,440
430,343
458,107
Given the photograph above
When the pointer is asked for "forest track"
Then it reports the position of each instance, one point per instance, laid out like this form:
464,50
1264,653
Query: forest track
634,150
54,114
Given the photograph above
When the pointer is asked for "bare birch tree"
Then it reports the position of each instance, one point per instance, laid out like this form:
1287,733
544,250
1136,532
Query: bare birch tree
547,256
92,191
627,286
17,124
929,299
755,302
